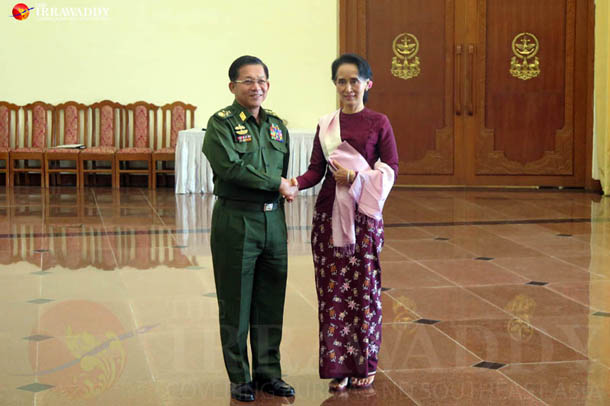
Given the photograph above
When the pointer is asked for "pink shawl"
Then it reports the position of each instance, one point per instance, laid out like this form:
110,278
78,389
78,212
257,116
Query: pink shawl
368,192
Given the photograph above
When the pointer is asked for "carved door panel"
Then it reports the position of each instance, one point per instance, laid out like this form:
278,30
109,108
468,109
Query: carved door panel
479,92
529,127
410,46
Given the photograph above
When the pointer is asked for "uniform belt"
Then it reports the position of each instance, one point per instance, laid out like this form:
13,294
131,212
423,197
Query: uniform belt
252,206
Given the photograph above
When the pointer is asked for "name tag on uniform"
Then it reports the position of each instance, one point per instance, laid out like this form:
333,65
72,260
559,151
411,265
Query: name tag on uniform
276,133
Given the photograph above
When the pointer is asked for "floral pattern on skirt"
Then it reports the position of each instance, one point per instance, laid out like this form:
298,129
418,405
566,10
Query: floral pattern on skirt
349,298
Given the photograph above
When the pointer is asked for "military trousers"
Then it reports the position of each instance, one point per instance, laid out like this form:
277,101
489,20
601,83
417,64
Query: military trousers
249,255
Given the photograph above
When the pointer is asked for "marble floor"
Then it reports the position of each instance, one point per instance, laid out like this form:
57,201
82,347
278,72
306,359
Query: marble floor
491,297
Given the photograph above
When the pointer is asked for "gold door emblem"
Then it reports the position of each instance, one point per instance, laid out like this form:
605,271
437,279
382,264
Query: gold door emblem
405,65
525,64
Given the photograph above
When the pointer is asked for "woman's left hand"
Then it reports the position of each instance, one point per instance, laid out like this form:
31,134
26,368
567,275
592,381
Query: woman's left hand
343,176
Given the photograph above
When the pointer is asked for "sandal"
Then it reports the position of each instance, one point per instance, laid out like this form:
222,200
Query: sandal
339,384
363,383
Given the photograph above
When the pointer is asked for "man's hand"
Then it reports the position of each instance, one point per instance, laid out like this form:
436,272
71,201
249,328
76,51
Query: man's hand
343,176
288,190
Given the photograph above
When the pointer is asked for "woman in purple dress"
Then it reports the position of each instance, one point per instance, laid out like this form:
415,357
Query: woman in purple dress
348,278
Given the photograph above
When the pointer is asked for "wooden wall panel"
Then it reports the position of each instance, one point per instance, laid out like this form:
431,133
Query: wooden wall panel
352,26
464,120
528,124
420,108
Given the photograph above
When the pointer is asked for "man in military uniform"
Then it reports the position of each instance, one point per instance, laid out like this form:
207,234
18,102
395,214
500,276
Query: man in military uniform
247,147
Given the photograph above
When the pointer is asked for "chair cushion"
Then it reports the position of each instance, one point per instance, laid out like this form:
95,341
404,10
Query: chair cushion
100,150
166,151
135,151
31,149
62,151
5,149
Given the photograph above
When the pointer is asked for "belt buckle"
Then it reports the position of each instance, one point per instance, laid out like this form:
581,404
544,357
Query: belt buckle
268,206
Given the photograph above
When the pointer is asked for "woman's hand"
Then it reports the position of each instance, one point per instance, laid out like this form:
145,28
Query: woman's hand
343,176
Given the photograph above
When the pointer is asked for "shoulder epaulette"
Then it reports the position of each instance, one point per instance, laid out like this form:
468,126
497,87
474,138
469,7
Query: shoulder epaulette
224,113
272,113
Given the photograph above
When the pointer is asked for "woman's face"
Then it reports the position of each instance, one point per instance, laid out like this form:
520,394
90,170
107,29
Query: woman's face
350,87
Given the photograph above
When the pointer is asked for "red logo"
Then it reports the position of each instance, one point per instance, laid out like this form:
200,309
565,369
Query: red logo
84,349
21,11
86,354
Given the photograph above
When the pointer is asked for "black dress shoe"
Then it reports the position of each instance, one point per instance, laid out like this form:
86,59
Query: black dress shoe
276,387
244,392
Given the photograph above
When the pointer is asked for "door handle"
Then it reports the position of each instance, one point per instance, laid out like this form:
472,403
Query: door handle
458,76
470,80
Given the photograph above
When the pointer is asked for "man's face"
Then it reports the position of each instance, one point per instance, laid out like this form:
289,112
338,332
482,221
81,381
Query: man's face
250,88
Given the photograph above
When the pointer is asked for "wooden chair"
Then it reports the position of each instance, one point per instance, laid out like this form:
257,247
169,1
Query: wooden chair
135,144
70,127
107,122
167,151
39,117
7,112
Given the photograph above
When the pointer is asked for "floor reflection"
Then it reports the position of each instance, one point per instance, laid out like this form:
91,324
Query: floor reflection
490,296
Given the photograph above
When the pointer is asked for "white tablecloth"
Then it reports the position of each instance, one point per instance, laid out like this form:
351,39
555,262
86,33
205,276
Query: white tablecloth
194,174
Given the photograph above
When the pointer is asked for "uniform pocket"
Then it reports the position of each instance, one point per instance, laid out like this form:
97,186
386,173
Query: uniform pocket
280,146
275,154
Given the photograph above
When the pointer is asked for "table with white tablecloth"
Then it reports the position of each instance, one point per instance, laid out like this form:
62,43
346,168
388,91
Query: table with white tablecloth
194,174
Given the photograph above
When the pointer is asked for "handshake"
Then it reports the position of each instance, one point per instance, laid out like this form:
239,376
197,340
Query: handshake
289,188
343,176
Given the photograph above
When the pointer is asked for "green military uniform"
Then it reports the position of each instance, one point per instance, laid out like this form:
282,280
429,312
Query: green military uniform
248,238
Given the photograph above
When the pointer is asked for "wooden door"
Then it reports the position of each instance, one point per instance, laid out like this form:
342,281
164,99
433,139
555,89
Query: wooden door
480,92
